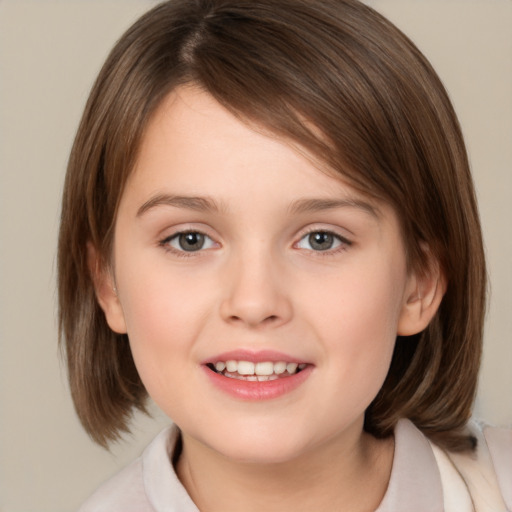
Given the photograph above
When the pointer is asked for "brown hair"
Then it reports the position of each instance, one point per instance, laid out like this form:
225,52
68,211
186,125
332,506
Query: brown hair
339,80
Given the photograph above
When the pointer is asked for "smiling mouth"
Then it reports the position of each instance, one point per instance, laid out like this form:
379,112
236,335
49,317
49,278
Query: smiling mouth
256,372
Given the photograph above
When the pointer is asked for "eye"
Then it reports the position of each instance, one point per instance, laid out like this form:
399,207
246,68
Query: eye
321,241
189,241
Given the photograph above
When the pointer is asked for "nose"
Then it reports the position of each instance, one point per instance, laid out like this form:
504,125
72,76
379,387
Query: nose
256,292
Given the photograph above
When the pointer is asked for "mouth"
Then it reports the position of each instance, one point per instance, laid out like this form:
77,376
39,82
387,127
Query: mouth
256,376
262,371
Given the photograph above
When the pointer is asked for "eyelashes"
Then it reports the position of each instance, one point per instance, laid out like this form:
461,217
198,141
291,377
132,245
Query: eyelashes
323,241
189,243
186,243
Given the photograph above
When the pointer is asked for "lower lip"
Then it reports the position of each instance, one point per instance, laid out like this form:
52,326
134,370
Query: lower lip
256,390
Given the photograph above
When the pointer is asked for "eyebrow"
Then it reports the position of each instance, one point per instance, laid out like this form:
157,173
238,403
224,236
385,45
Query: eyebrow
316,205
205,204
199,204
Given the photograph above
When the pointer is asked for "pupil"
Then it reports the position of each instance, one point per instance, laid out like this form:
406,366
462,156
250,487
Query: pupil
321,241
191,241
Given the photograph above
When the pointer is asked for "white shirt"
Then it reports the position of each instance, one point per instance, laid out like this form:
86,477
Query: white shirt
423,478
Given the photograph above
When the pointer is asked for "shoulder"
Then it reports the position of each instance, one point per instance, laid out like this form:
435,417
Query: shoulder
131,490
478,481
487,472
499,444
123,493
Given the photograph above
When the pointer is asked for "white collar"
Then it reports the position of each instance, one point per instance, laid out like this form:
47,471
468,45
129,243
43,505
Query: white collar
415,482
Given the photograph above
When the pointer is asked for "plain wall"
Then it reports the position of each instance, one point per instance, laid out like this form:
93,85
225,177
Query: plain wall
50,52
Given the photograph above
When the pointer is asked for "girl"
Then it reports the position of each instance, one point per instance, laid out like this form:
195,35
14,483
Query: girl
269,227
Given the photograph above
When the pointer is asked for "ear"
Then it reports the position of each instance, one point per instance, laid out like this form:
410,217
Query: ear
106,292
423,295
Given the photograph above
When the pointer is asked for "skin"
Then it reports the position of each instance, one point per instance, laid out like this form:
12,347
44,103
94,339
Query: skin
259,284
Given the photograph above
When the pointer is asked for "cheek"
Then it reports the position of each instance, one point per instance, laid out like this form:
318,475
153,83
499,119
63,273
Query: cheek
157,298
160,331
163,314
358,312
362,301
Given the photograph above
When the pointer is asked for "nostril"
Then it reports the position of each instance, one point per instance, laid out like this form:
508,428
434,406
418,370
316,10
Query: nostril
268,319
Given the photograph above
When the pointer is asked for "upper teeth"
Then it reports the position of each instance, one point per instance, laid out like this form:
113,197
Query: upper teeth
262,368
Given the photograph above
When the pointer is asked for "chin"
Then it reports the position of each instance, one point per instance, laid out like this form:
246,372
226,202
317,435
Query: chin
259,447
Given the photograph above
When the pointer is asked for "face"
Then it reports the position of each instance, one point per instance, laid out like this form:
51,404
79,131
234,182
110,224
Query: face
261,296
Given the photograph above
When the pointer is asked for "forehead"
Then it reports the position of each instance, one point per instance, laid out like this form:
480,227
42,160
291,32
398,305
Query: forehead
200,163
195,148
191,134
190,123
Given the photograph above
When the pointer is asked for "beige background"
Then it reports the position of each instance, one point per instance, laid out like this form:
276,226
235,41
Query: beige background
50,52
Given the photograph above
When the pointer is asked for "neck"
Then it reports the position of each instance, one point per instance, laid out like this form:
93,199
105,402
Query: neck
351,476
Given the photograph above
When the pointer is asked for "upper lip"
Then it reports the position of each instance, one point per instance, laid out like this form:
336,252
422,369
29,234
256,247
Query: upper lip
258,356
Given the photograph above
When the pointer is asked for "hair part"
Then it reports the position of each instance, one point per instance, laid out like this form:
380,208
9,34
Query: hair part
339,80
